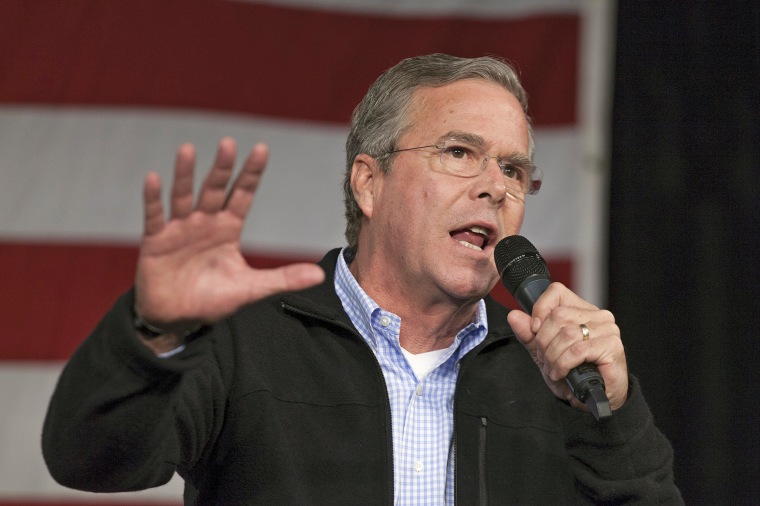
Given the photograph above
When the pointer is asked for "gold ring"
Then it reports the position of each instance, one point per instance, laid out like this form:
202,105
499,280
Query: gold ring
585,332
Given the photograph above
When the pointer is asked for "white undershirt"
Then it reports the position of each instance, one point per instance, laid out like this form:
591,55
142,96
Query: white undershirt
423,363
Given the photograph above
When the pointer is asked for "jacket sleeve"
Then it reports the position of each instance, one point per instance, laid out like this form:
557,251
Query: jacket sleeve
622,460
123,419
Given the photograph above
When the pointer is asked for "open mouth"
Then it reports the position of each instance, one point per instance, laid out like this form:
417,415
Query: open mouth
474,237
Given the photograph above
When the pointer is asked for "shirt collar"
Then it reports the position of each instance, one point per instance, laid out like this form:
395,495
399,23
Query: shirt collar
361,308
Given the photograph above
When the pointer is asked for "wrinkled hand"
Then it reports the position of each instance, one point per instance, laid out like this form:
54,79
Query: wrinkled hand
190,269
554,339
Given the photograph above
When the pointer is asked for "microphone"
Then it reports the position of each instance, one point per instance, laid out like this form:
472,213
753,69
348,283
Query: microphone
524,273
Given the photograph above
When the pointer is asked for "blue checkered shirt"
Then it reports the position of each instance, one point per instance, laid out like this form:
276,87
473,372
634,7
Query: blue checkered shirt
421,408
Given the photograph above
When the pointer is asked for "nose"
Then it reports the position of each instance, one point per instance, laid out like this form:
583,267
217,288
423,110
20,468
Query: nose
490,183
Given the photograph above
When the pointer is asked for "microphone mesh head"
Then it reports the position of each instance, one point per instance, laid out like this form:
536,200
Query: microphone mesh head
516,259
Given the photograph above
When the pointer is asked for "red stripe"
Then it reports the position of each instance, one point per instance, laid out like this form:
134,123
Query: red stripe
54,294
258,59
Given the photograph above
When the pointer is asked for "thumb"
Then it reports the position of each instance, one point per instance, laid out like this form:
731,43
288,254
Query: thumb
266,282
521,325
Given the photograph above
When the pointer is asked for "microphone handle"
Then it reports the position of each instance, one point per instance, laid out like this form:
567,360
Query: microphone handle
585,381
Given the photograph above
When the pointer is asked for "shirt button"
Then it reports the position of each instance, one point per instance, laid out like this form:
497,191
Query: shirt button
419,389
385,321
418,467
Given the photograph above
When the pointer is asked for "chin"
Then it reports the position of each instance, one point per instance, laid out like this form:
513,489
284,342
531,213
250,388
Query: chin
468,281
471,291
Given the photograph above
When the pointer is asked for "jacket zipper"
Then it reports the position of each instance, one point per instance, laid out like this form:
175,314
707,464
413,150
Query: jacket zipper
388,423
482,478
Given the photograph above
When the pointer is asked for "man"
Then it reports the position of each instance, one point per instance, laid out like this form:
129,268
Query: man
385,377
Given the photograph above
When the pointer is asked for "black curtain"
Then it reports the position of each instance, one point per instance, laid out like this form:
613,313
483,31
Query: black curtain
684,267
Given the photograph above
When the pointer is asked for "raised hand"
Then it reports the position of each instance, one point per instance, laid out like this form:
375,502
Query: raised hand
555,340
190,270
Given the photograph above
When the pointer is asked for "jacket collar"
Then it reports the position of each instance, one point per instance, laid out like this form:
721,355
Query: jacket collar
321,300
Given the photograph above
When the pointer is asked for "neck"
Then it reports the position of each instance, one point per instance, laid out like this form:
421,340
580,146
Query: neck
428,323
423,332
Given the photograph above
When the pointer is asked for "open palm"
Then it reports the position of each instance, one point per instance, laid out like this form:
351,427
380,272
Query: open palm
190,269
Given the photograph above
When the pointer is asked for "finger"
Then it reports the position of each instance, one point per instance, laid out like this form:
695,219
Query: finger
601,348
214,189
267,282
153,210
557,367
562,329
243,190
564,325
182,186
603,337
608,354
557,295
599,328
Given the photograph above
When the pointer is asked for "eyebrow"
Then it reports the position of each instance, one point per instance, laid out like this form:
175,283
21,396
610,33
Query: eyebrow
520,159
470,138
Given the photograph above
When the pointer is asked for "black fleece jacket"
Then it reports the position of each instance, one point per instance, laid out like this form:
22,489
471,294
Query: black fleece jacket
283,403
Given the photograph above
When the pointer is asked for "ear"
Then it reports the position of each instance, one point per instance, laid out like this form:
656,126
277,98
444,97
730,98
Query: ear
364,179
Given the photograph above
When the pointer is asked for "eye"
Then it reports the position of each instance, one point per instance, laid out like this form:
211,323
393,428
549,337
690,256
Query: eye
457,152
514,172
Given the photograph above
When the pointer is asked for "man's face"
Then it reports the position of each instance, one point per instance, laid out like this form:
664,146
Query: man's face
435,232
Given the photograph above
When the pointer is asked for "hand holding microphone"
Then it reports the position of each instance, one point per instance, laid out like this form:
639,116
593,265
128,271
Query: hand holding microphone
559,322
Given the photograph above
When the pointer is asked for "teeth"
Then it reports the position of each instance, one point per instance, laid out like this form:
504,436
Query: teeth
478,230
471,246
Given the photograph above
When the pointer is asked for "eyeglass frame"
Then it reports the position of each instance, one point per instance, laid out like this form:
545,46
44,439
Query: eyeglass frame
534,182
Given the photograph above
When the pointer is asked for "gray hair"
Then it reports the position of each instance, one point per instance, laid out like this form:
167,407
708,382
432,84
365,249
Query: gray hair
382,115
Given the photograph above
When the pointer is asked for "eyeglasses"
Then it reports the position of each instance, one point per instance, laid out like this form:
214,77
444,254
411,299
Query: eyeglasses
464,160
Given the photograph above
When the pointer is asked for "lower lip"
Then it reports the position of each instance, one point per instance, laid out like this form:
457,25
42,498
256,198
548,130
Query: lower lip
471,249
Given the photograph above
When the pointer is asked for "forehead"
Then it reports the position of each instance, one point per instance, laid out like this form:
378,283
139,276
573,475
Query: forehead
474,106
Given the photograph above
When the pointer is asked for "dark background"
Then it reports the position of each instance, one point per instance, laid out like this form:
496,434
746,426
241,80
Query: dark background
684,214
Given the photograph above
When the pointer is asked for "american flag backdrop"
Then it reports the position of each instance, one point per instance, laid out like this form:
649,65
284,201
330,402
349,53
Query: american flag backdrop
96,93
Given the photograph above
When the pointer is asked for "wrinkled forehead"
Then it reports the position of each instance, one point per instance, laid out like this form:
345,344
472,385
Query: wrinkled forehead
484,111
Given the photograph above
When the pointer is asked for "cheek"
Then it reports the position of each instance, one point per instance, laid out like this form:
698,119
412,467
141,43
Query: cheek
421,200
513,219
421,215
417,205
407,210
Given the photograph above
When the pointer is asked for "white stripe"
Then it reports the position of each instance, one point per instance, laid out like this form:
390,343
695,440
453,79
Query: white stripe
76,174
